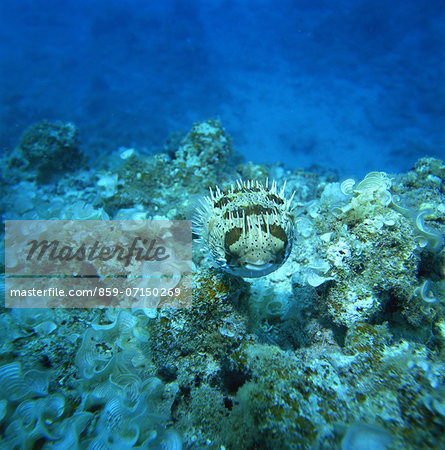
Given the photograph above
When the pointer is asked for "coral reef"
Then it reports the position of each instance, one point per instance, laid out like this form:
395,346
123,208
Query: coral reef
51,149
166,182
60,389
343,344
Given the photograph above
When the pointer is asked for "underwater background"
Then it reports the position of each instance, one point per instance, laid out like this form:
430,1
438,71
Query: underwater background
133,110
355,86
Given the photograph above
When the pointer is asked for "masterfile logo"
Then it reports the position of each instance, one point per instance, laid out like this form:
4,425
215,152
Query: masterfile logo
81,263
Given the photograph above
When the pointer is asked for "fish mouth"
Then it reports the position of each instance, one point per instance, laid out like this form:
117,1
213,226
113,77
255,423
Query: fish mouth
258,267
254,270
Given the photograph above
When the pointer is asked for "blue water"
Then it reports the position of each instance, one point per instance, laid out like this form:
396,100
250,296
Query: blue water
345,348
353,86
